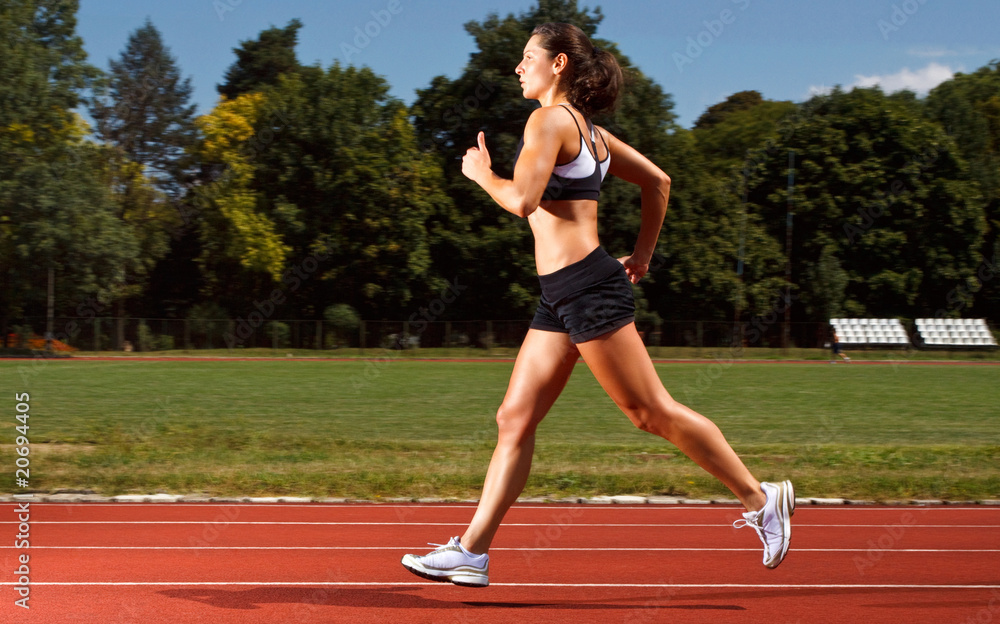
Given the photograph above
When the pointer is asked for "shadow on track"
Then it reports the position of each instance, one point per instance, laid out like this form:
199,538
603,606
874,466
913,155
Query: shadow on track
402,598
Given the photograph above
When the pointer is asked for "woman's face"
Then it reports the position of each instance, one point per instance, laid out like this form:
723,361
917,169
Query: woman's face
537,71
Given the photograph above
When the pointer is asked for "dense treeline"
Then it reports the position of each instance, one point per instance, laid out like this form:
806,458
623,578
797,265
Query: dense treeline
310,187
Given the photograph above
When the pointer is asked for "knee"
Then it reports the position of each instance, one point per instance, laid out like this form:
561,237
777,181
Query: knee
643,418
655,416
514,423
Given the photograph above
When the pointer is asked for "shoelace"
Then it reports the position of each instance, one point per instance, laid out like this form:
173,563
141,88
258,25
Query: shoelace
749,522
439,548
756,525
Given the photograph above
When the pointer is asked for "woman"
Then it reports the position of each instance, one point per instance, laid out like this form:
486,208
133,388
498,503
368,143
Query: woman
586,306
836,348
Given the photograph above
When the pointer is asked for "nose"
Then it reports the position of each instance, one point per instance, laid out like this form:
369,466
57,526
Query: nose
519,70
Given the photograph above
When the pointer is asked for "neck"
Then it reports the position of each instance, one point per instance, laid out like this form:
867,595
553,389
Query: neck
553,97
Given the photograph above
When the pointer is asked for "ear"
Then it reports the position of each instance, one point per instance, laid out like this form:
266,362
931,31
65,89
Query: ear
560,63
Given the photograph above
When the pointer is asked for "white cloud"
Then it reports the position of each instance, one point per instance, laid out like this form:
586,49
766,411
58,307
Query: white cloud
815,90
920,81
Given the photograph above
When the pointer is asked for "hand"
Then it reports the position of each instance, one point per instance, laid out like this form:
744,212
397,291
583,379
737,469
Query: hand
476,161
634,268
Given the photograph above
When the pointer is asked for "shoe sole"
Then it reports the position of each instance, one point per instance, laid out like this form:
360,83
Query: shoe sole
786,501
462,579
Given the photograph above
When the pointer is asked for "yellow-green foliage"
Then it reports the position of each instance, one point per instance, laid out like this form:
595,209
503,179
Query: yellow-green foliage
228,131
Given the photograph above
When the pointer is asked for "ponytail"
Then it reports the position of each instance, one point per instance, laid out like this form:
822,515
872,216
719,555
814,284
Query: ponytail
594,78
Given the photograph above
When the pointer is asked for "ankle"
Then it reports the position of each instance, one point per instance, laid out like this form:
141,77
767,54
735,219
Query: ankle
756,500
471,547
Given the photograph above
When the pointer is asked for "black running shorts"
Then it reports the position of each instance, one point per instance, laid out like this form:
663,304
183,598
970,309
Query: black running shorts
586,299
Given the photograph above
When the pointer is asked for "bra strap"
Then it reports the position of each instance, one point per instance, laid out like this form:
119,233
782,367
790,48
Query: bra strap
580,130
593,142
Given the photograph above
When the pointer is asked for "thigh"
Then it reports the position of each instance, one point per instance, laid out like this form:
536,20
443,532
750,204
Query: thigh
543,366
621,364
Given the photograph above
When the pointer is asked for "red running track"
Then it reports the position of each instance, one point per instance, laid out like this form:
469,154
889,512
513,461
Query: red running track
218,563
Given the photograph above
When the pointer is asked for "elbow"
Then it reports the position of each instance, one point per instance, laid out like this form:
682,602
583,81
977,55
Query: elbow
663,183
517,209
523,207
662,187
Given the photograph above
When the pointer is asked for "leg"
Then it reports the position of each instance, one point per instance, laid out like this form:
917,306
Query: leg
621,364
544,364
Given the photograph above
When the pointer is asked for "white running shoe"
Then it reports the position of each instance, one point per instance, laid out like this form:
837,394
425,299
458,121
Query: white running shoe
451,563
773,521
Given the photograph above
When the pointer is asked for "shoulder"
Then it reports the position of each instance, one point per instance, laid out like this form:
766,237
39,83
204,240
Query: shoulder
548,115
546,122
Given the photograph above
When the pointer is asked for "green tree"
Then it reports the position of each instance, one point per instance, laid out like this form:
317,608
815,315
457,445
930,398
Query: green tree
318,188
344,180
43,74
708,236
235,229
733,132
968,106
145,119
345,321
65,220
146,113
701,238
881,190
740,101
260,61
55,212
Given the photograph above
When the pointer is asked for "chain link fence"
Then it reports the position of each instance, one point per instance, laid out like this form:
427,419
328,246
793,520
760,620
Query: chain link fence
141,335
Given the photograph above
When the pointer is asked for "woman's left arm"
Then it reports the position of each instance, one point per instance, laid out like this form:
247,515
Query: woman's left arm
631,166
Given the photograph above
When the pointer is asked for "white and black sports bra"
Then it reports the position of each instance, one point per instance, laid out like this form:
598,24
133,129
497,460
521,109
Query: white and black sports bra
581,177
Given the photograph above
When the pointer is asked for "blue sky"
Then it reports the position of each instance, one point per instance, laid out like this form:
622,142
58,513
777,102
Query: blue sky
699,51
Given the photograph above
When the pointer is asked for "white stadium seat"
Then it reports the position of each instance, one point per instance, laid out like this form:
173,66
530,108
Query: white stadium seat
954,332
936,332
870,331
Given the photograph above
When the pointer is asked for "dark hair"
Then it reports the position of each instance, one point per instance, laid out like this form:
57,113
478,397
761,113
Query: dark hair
593,77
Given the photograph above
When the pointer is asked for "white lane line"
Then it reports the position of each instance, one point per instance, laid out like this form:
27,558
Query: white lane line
114,523
422,584
532,549
550,506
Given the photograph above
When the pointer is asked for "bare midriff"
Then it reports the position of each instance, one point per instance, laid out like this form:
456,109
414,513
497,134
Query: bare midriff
565,232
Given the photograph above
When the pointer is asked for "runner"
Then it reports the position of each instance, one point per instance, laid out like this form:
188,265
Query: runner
586,306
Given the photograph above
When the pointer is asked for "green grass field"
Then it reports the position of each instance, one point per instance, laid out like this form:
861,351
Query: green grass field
396,427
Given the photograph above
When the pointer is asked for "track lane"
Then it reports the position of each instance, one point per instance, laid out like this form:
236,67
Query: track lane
820,581
418,538
525,566
462,513
446,604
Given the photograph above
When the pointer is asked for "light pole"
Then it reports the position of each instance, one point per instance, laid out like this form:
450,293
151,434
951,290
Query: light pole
787,333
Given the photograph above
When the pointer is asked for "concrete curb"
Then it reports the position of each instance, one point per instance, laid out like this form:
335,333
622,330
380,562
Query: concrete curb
87,497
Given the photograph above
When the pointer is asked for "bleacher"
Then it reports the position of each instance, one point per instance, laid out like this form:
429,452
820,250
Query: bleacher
934,332
870,331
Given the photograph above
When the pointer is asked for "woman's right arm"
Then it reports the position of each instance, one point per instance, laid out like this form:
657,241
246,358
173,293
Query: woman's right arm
631,166
523,193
